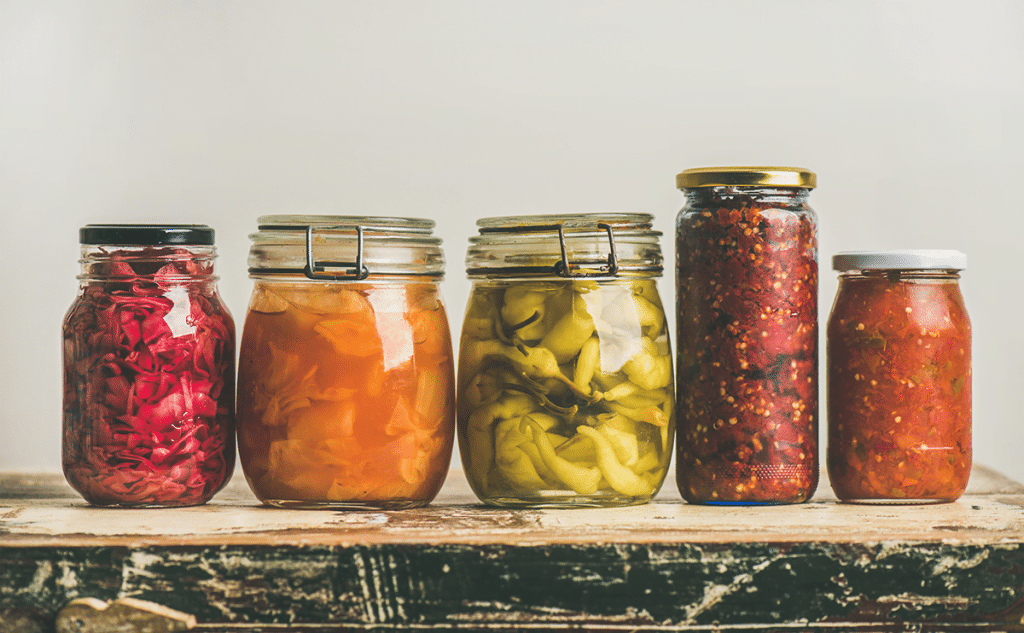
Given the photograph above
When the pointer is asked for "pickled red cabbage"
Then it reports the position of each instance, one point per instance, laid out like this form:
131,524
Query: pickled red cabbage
149,382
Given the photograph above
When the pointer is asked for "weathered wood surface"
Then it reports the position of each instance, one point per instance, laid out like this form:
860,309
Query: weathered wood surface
457,564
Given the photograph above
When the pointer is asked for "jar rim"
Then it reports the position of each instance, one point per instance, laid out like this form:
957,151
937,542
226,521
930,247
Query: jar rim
345,247
899,259
565,245
746,176
375,223
570,221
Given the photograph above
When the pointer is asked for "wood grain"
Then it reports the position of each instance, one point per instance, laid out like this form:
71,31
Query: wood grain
458,564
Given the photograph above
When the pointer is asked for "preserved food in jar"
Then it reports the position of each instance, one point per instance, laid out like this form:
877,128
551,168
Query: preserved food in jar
148,369
899,378
565,371
747,288
346,385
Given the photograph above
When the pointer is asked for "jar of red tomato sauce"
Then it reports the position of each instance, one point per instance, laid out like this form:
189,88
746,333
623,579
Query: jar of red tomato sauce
149,369
346,383
899,378
747,307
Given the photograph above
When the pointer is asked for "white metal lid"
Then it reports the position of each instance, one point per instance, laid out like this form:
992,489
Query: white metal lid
903,259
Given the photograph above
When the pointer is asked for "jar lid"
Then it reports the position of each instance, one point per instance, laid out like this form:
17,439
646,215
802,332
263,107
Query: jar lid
565,245
746,177
345,247
146,234
899,260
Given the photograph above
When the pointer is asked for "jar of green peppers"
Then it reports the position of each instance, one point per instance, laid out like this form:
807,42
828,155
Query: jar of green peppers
565,387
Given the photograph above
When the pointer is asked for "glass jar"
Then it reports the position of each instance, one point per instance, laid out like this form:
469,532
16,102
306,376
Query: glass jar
899,378
149,368
747,299
346,382
565,369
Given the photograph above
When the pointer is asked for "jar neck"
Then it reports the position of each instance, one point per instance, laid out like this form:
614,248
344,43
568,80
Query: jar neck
345,248
175,264
747,196
565,247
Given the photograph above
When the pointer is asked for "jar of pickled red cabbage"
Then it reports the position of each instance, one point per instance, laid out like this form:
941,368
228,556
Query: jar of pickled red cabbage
565,371
899,378
346,381
747,335
149,368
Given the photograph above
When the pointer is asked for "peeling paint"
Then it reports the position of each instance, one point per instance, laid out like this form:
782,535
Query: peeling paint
43,572
459,565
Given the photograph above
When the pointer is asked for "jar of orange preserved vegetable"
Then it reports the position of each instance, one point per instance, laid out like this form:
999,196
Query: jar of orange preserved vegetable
346,384
899,378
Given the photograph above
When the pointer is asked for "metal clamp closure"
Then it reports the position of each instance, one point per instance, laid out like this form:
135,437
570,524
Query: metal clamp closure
317,270
564,268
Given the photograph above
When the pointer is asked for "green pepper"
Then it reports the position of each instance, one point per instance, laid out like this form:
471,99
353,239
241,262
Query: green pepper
569,334
524,304
650,316
578,450
513,463
649,369
587,363
649,461
627,449
480,431
482,388
582,480
619,477
536,361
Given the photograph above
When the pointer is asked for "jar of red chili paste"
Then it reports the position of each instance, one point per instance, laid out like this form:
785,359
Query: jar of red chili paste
747,299
346,381
899,378
149,368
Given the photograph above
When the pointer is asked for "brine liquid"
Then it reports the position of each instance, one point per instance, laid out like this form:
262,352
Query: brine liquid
346,394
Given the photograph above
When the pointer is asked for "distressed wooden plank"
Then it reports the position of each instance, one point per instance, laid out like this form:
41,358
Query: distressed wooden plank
664,566
651,586
235,517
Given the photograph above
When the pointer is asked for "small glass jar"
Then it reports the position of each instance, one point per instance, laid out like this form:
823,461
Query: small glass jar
565,370
747,299
149,368
899,378
346,381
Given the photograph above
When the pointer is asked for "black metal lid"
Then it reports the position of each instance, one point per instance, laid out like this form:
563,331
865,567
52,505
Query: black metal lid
146,234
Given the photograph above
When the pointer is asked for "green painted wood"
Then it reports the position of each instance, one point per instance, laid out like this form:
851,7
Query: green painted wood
289,582
617,585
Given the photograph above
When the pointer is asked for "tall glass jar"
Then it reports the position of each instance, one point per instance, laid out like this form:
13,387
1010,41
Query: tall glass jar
747,298
899,378
149,368
346,381
565,369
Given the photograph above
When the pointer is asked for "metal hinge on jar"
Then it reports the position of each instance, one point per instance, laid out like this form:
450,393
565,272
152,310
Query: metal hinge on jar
126,615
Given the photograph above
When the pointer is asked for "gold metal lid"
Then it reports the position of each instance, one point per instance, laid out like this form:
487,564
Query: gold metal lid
746,177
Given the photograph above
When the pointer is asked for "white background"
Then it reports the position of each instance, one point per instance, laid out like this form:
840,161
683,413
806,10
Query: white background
217,112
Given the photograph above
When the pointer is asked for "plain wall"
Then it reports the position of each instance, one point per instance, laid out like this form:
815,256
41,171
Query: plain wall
911,113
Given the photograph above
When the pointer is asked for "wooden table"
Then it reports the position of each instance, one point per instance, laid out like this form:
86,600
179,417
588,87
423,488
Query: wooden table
236,565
